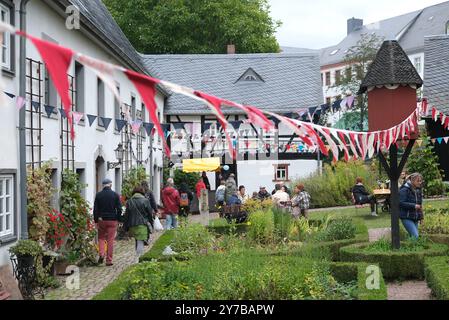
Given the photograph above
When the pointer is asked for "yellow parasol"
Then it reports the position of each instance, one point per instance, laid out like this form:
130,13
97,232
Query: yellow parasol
200,165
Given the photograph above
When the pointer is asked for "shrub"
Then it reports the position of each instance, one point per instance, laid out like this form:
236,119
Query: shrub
282,223
155,253
254,205
437,276
132,179
261,227
338,229
191,239
190,178
301,230
395,264
332,187
425,161
437,223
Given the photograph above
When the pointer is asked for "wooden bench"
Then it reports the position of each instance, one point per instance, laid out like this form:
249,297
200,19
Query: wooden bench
234,213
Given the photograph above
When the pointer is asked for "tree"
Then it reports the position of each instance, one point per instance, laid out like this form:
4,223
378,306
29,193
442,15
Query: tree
358,59
196,26
425,161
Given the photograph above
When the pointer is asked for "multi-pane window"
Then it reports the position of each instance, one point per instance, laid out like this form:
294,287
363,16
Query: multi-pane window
133,107
447,28
417,64
348,74
100,101
5,15
328,78
117,111
79,87
281,172
6,205
337,77
322,80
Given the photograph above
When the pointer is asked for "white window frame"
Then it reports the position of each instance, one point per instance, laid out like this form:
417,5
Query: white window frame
3,198
417,62
6,39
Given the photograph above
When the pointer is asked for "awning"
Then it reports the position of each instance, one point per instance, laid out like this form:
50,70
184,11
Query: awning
200,165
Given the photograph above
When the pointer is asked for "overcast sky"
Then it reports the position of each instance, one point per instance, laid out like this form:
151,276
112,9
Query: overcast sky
317,24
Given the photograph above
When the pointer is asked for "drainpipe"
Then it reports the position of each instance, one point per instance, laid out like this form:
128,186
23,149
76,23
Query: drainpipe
22,140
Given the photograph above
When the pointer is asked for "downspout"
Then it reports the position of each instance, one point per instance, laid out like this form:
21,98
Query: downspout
22,140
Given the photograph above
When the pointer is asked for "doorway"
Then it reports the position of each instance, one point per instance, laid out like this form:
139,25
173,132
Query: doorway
100,173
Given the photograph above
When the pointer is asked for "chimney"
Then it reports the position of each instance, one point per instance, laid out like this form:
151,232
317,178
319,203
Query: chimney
354,24
231,48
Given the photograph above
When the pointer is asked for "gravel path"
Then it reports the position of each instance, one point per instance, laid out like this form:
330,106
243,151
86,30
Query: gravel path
409,290
377,234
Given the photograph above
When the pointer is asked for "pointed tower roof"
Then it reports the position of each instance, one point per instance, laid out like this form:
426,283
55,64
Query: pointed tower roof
391,66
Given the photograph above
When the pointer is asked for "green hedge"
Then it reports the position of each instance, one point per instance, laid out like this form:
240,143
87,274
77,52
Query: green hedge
225,229
394,264
437,276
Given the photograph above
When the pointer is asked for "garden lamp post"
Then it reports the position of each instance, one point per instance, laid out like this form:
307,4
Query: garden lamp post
391,83
118,155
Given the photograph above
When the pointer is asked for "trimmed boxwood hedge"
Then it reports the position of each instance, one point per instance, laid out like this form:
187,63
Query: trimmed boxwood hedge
437,276
394,265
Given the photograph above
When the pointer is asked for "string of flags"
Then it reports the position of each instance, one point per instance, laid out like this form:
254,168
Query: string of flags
350,144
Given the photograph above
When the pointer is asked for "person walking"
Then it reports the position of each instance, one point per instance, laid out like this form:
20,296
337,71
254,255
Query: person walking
410,204
138,220
200,185
150,196
205,180
171,201
107,213
186,197
361,196
243,197
231,187
300,202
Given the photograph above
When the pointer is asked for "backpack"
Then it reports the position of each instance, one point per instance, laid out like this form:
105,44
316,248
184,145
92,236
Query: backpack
220,195
184,199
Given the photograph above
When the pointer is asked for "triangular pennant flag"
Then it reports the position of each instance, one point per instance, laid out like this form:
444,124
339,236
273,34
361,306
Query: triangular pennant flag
343,103
57,60
148,127
120,124
77,116
236,124
146,86
440,140
178,125
135,126
419,142
20,102
433,140
63,113
35,105
350,101
91,119
106,122
49,110
207,126
446,139
12,96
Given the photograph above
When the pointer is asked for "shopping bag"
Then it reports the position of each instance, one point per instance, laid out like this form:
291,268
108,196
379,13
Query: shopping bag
157,225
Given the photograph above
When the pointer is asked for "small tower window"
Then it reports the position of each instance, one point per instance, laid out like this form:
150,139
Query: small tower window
250,78
447,28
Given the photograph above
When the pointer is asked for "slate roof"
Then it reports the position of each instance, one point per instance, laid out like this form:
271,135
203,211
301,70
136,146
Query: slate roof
409,29
290,81
391,66
436,72
103,24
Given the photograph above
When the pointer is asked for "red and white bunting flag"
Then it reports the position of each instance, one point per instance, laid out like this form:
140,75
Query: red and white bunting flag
257,117
214,104
378,141
316,138
347,136
333,146
57,60
354,142
434,114
371,142
442,117
446,139
446,123
364,142
424,107
77,116
146,86
135,126
341,144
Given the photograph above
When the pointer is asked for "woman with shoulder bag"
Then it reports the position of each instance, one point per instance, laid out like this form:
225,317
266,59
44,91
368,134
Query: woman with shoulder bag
139,219
410,203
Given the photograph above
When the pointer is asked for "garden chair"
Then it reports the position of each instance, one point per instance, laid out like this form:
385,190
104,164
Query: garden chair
234,213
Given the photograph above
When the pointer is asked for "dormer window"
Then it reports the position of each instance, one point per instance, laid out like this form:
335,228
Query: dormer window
447,28
250,76
334,52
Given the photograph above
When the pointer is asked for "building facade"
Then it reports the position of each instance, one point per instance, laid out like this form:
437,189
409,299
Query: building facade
48,137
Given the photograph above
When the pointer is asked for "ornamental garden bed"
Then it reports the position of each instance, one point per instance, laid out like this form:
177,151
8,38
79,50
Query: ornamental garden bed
436,270
406,263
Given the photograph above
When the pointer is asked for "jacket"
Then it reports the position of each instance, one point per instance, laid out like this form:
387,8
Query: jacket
220,193
107,206
263,195
138,211
358,191
233,200
150,197
199,186
408,199
231,189
171,199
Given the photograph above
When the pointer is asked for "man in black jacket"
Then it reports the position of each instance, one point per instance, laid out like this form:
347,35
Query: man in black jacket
107,212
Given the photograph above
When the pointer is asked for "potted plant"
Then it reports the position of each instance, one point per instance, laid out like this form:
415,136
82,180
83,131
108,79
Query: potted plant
26,252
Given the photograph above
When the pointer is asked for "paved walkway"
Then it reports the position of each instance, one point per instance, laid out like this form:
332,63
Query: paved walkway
409,290
95,279
377,234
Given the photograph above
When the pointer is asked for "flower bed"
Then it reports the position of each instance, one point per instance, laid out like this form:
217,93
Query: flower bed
437,276
402,264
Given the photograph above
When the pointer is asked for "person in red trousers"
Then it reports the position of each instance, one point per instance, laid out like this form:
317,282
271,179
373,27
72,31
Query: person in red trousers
107,213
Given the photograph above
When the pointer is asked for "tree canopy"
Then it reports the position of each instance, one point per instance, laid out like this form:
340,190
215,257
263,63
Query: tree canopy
196,26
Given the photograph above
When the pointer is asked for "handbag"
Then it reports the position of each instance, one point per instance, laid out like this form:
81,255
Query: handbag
149,225
157,225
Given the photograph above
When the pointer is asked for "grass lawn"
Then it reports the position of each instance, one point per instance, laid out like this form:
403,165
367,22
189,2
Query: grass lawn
382,221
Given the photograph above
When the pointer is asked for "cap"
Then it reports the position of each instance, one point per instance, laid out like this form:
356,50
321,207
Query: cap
261,187
107,181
